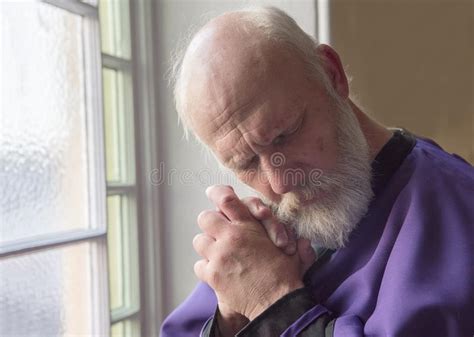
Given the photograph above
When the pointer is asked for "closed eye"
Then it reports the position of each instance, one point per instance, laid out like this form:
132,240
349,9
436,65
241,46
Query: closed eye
252,162
281,138
243,165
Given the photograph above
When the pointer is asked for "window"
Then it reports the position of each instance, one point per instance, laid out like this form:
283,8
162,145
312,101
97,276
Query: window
120,167
52,204
74,205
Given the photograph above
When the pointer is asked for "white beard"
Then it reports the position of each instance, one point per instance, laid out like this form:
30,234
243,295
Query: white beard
341,197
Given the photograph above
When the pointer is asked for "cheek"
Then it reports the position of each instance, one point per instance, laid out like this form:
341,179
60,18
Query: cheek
313,151
250,178
327,151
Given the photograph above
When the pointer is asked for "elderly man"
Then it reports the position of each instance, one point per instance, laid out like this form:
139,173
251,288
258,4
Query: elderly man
384,220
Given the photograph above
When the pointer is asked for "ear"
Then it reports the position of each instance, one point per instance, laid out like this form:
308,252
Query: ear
333,67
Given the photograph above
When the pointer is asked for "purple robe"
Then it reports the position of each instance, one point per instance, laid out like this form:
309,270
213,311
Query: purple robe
408,269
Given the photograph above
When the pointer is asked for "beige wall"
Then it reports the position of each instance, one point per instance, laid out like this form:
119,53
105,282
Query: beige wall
412,64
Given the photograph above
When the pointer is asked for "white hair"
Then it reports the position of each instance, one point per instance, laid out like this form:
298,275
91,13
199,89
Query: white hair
273,25
344,193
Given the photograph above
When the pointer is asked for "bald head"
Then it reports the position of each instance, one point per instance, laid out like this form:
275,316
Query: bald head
223,62
233,54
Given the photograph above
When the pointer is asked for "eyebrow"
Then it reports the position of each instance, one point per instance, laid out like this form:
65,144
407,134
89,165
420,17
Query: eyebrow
242,163
295,126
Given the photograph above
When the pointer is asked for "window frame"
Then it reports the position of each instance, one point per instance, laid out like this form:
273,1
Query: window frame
148,154
146,197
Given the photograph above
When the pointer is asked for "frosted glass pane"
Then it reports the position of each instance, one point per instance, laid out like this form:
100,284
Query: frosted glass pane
49,293
43,161
126,328
130,253
115,251
117,329
118,120
122,253
114,16
113,111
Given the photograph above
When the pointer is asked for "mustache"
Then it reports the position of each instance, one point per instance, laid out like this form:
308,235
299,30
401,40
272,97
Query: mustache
326,184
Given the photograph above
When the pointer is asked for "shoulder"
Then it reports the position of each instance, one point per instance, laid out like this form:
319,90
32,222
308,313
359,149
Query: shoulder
432,161
436,177
430,228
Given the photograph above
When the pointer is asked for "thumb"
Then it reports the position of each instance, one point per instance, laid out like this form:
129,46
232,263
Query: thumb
228,203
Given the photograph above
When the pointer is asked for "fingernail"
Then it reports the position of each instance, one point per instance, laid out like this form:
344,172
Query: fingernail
281,239
255,208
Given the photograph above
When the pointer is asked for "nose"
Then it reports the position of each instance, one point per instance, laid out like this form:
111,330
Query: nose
278,173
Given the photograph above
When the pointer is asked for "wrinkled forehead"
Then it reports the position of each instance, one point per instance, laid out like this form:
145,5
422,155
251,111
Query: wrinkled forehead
229,86
224,93
241,138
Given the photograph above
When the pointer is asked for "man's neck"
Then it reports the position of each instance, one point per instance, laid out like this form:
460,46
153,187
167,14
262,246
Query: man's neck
376,134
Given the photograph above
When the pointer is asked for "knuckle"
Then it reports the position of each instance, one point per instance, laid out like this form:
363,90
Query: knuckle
213,277
228,199
198,268
252,201
222,260
235,239
253,205
202,216
196,239
259,209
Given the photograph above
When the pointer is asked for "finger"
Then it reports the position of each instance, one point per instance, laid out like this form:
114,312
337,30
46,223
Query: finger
228,202
306,253
212,222
257,208
200,269
202,244
275,229
291,247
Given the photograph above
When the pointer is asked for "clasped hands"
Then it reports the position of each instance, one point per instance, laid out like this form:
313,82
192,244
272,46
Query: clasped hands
250,259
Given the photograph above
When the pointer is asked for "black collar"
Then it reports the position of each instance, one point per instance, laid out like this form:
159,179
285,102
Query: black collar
390,157
387,161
